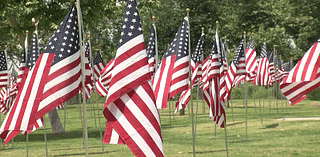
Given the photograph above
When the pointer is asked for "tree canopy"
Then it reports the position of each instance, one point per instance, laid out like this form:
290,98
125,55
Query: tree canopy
290,25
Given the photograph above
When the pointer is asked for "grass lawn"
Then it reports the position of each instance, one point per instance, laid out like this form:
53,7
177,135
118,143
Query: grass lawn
266,136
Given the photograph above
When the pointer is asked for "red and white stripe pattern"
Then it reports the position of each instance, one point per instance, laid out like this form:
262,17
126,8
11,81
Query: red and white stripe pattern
304,77
60,106
271,66
251,62
3,70
204,79
98,65
262,76
151,52
102,84
172,76
196,61
54,79
234,67
23,71
130,106
110,136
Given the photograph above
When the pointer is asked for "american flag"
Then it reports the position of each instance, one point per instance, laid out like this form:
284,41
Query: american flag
262,76
3,70
33,54
23,70
54,79
130,106
87,73
111,136
304,77
151,49
103,83
196,61
271,66
236,68
172,76
205,65
251,62
97,66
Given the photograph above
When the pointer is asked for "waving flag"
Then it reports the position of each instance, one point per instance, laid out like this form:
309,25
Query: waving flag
262,76
151,49
251,62
172,76
103,83
130,106
304,77
271,66
23,70
88,87
234,68
3,70
54,79
97,66
196,61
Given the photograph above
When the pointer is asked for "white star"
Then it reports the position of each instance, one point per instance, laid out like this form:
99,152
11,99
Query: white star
63,44
60,55
131,27
67,32
120,41
133,20
124,26
69,20
55,39
135,14
68,26
125,19
71,39
52,47
129,6
61,49
58,30
68,51
127,12
71,15
139,29
70,45
65,38
130,34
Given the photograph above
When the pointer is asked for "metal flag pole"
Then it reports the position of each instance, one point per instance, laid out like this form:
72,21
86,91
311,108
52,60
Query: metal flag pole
155,43
195,119
82,71
191,103
245,94
26,51
8,80
98,111
91,62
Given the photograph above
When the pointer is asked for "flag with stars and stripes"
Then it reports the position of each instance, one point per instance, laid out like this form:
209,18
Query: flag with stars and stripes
3,70
196,61
102,84
130,105
54,79
151,50
251,62
262,76
23,70
88,83
97,66
271,66
304,77
236,71
172,76
33,53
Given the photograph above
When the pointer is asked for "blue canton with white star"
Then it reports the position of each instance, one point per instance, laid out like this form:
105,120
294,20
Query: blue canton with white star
151,43
65,40
3,62
131,26
33,54
179,45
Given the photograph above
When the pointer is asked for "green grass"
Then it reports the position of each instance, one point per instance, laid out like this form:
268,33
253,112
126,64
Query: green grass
272,138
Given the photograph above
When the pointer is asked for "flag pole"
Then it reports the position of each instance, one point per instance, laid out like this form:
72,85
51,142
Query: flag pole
191,103
155,42
82,71
98,111
26,51
245,94
91,62
44,126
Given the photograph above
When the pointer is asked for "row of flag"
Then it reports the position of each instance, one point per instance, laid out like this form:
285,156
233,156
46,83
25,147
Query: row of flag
133,88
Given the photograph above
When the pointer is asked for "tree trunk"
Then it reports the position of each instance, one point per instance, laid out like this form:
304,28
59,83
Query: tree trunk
181,112
55,123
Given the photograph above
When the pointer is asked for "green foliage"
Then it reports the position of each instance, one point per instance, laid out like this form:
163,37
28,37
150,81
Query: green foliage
314,94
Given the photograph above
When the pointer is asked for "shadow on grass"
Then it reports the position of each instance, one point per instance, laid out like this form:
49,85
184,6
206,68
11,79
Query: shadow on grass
243,141
205,152
83,153
74,148
53,137
274,125
232,124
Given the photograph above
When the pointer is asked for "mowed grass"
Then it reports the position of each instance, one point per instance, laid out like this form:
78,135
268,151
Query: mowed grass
266,136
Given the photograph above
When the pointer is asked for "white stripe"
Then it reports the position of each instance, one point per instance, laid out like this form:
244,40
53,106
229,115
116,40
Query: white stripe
162,82
114,137
130,130
131,43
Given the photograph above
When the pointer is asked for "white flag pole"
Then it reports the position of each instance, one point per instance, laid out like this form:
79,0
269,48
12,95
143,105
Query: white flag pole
245,93
83,84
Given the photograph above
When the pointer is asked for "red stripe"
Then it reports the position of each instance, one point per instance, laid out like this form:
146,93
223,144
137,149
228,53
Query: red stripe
305,68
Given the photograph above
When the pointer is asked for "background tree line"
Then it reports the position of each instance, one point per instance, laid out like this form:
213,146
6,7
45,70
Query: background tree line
291,25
